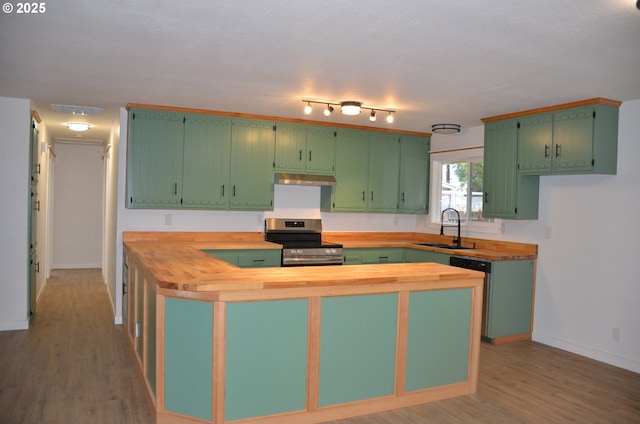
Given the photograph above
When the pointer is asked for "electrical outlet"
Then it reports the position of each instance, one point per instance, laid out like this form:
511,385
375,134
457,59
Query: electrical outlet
168,219
548,232
138,328
616,334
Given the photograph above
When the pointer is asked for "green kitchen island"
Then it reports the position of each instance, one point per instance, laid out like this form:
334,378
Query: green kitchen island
220,344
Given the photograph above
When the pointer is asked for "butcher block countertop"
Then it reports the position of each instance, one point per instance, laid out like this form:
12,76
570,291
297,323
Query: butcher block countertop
175,261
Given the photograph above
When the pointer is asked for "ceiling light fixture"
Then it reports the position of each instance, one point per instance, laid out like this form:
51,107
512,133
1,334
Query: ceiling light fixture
445,128
349,108
78,126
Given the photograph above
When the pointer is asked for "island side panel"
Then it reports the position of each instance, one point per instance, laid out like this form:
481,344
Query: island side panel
357,348
188,357
266,358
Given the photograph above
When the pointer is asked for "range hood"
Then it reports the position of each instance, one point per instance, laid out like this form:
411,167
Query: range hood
305,179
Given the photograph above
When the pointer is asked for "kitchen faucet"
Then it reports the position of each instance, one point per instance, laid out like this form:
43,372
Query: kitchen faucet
458,241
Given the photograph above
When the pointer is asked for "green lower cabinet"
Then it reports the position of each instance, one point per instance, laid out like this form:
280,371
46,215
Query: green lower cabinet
359,256
266,358
248,258
417,255
188,357
438,338
357,348
509,299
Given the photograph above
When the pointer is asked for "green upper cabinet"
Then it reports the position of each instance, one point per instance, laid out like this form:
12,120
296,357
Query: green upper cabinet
252,163
352,172
413,191
384,172
579,140
305,149
535,137
154,165
506,193
207,147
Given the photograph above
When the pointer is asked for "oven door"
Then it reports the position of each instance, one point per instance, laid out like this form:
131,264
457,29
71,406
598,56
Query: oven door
307,257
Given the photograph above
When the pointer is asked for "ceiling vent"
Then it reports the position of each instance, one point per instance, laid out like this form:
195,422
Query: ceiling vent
77,110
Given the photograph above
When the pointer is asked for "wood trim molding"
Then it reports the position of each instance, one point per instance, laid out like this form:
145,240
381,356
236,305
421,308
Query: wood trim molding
272,118
587,102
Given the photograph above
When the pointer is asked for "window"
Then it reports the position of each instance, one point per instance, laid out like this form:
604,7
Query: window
457,183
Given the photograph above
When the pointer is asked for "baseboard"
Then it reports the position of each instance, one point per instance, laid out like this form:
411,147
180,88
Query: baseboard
588,352
77,266
14,325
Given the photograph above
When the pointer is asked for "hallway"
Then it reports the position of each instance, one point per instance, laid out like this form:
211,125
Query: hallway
74,367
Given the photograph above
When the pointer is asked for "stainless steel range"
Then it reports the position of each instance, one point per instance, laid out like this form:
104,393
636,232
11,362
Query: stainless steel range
301,241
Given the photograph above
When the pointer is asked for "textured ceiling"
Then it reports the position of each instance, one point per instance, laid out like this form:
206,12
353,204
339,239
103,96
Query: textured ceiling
432,61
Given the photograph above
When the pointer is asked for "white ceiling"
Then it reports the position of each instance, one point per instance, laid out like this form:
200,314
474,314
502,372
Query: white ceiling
432,61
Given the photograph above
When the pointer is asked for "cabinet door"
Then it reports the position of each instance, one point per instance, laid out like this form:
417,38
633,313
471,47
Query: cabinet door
413,192
573,140
207,151
535,144
260,258
384,172
321,150
383,255
352,170
500,168
252,151
291,147
154,159
418,255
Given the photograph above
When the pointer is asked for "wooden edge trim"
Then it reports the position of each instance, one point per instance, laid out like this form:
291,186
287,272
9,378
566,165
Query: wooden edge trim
587,102
511,339
476,330
402,338
36,116
313,352
218,366
160,353
270,117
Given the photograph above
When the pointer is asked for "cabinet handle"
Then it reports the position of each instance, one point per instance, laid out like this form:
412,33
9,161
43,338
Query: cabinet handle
558,150
38,267
403,196
175,188
372,195
309,155
234,190
363,195
546,150
299,154
222,190
486,197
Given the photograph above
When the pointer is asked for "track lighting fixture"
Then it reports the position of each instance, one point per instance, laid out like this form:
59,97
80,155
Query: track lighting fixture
348,107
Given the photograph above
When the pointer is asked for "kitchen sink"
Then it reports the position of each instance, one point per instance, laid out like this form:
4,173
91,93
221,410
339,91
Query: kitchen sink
443,246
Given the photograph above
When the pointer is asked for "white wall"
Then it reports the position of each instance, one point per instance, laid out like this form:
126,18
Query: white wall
78,209
14,191
109,261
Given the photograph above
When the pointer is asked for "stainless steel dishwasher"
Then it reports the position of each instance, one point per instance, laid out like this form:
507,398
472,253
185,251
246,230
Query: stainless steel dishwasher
483,265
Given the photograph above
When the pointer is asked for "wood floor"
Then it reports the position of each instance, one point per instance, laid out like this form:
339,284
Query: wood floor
74,366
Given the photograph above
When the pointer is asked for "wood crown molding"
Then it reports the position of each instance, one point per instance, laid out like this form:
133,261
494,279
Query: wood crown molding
272,118
587,102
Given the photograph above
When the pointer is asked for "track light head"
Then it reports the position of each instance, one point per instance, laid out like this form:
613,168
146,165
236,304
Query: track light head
328,110
372,116
390,118
308,109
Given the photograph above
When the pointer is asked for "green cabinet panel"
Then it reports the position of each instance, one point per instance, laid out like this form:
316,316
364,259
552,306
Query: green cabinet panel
207,149
413,191
357,348
438,339
507,193
154,165
383,255
509,298
580,140
352,172
249,258
384,172
252,162
305,149
321,150
417,255
150,342
188,357
266,358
